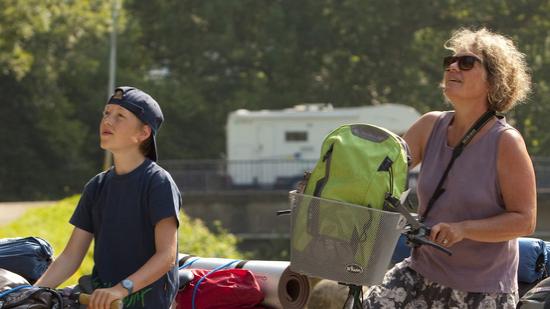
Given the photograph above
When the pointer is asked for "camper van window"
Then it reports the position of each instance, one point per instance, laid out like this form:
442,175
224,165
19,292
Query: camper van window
296,136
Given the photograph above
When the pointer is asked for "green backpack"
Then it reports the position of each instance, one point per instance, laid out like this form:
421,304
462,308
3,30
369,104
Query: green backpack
360,164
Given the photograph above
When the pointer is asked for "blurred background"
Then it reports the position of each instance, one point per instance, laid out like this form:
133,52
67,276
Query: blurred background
205,60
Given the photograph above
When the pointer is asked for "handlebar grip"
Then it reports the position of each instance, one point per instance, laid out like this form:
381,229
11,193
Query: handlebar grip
85,299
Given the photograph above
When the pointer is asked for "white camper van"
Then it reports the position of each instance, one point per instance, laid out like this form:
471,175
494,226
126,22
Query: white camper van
267,148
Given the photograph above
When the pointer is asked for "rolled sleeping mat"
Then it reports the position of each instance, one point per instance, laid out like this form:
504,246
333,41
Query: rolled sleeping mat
532,259
282,287
10,280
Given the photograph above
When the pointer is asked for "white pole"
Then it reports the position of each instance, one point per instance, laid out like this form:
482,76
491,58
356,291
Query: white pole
108,159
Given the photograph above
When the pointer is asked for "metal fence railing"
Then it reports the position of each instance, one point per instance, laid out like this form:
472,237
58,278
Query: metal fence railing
222,175
216,175
542,172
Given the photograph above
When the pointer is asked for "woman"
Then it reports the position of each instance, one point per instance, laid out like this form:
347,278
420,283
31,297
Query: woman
488,196
130,211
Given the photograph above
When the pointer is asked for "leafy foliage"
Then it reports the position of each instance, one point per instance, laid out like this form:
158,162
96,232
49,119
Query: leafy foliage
42,140
51,224
203,59
195,238
273,54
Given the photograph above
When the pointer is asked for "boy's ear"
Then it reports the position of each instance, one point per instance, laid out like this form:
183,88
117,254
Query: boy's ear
145,133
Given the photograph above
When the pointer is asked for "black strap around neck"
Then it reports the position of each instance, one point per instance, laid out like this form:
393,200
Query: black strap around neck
456,153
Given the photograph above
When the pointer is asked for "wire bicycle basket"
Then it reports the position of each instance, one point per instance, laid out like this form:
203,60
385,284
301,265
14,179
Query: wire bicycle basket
340,241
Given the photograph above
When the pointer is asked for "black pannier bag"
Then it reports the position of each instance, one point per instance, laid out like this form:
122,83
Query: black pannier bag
28,257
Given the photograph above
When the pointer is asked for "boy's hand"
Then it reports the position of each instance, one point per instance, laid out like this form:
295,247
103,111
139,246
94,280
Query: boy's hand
102,298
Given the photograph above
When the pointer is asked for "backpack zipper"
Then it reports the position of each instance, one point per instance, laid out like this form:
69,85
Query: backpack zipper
320,185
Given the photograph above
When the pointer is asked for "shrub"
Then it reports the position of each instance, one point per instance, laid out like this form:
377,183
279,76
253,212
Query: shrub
52,224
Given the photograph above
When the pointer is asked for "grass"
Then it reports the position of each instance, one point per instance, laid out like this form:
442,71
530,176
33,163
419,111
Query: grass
52,224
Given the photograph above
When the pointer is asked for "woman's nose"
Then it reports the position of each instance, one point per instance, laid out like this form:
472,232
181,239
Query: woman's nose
453,66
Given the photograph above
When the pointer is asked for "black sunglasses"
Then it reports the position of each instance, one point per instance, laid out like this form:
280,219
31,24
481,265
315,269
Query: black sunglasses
465,63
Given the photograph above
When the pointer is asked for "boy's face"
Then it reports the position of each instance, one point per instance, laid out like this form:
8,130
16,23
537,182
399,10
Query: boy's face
120,130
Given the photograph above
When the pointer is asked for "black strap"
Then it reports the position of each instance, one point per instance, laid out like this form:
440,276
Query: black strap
240,265
183,260
456,153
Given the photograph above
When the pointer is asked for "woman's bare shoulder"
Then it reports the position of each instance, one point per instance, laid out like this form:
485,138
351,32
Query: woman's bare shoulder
511,144
418,134
425,123
430,118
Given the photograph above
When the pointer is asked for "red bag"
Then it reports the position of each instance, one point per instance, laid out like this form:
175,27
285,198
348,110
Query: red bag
221,289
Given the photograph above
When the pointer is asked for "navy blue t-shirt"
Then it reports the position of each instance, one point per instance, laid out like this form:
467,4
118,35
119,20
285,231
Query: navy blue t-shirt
121,211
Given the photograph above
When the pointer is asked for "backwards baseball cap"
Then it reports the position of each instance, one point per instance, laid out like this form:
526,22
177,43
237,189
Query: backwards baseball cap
144,107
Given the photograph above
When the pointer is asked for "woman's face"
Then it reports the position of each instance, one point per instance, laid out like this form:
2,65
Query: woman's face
462,83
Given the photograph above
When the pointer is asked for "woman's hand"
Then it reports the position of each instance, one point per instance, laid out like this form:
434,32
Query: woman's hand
102,298
447,234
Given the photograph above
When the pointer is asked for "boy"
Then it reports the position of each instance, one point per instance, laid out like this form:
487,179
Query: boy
130,211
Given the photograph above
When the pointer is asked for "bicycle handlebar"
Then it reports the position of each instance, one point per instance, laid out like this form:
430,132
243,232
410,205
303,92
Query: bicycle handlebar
85,300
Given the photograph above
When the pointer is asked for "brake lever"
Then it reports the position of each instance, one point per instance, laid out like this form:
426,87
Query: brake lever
424,241
418,237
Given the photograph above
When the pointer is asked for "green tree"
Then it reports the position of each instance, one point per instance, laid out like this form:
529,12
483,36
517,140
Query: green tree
42,140
51,224
222,56
203,59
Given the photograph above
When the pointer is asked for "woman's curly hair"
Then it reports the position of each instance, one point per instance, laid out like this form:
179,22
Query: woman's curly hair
507,71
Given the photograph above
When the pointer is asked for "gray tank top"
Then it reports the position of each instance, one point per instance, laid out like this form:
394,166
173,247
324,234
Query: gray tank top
471,192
